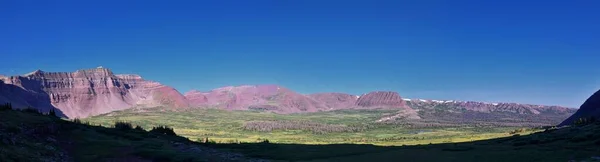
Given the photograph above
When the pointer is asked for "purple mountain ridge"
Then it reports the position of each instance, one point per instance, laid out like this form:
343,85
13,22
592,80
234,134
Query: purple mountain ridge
90,92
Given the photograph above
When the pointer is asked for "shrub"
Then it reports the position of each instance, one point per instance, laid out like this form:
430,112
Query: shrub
520,143
6,106
582,137
138,128
584,121
121,125
13,129
77,121
534,141
31,110
163,130
516,131
265,141
458,148
52,112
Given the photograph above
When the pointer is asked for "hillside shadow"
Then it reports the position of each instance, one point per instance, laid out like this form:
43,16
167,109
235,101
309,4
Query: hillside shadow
542,146
22,99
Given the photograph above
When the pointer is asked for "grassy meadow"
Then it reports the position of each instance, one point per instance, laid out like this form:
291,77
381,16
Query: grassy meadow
30,136
222,126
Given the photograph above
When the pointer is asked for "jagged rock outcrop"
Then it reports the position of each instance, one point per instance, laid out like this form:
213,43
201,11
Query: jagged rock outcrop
381,99
335,101
259,97
387,100
589,109
90,92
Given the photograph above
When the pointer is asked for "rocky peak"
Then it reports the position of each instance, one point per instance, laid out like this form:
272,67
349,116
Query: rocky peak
34,73
387,99
84,73
95,91
97,72
129,76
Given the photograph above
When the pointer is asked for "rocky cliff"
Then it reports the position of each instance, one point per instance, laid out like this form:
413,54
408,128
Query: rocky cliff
589,109
90,92
381,99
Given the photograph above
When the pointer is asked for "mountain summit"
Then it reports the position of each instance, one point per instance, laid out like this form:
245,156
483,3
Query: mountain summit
86,92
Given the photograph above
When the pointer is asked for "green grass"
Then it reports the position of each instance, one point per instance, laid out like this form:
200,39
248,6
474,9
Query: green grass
572,143
226,126
29,136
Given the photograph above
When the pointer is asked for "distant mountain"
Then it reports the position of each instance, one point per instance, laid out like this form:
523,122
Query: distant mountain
435,113
96,91
283,100
334,101
86,92
590,108
255,97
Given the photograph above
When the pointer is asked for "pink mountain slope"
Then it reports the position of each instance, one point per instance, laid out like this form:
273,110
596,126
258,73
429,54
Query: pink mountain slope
264,97
282,100
381,99
387,100
335,101
90,92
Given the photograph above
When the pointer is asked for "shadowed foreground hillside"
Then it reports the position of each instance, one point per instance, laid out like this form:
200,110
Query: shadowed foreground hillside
29,136
26,135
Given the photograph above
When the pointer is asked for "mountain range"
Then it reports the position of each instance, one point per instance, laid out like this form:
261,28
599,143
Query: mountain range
90,92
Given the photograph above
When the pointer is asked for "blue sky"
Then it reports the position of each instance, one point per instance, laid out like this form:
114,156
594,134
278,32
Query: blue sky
540,52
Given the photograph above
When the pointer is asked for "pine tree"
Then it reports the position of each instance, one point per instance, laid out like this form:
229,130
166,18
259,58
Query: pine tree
52,112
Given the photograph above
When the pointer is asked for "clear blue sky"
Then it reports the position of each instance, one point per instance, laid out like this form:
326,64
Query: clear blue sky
540,52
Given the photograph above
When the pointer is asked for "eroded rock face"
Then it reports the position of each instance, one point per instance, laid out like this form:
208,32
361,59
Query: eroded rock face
260,97
589,108
381,99
335,101
196,98
90,92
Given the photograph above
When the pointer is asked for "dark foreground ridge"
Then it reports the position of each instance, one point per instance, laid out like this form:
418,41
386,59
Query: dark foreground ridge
27,135
30,136
589,110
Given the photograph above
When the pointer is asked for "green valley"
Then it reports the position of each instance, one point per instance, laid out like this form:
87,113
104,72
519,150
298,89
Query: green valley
333,127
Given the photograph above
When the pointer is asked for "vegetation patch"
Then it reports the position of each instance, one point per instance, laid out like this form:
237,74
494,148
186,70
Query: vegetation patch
316,128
